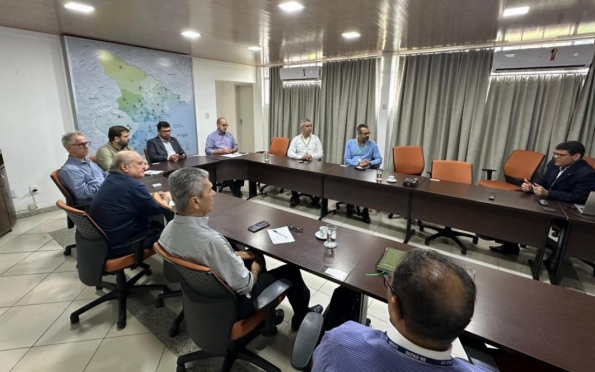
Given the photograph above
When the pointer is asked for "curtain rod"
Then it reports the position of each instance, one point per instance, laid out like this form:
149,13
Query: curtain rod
404,52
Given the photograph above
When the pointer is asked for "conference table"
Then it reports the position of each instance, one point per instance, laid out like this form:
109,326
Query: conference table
517,314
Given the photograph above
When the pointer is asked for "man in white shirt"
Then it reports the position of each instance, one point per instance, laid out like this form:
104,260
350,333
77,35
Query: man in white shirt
305,147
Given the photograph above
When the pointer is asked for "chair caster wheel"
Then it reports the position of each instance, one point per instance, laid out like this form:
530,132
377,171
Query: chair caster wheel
426,242
173,331
421,228
159,303
475,241
67,252
181,369
74,319
98,288
390,216
149,272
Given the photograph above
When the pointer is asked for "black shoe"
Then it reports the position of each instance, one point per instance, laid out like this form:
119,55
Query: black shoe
295,325
279,316
506,248
349,211
315,204
366,218
293,202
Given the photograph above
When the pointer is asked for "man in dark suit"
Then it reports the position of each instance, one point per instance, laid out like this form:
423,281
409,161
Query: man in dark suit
164,147
568,178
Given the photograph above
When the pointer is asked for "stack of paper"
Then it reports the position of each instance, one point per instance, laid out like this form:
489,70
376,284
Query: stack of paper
280,235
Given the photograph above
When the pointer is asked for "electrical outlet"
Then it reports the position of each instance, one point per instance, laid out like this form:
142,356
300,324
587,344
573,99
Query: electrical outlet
32,206
13,194
33,189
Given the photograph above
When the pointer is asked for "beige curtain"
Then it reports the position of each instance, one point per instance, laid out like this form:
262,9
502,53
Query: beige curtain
582,127
529,112
440,97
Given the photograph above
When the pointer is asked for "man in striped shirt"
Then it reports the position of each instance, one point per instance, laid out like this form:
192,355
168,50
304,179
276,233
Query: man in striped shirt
430,302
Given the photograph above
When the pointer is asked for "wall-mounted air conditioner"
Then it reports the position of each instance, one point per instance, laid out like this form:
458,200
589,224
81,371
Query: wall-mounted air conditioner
301,73
554,58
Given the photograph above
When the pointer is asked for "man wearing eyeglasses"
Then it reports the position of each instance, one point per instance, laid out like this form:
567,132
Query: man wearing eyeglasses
422,322
568,178
362,152
79,175
164,147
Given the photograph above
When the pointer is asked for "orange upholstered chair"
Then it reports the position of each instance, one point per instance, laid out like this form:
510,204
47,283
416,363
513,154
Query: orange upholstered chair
211,309
522,164
590,161
451,171
409,160
93,158
279,146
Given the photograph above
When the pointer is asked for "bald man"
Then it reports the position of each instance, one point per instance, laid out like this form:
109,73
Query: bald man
123,206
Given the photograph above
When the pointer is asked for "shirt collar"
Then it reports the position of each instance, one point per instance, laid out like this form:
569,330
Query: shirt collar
84,161
396,337
163,140
221,133
189,220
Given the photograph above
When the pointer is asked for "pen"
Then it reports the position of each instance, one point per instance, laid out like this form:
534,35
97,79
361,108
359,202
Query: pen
275,231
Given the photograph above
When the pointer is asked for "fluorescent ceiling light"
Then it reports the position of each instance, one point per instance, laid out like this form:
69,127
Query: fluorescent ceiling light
190,34
509,55
79,7
351,35
515,11
291,6
255,48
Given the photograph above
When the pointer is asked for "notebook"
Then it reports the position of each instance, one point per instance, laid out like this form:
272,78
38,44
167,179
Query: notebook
589,208
390,259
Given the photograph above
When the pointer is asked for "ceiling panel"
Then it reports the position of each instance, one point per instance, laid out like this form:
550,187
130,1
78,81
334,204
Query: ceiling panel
229,27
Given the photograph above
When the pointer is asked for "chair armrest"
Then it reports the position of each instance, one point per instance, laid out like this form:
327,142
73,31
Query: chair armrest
137,242
271,293
490,171
306,341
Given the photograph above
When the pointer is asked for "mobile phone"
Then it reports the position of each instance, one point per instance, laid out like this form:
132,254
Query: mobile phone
258,226
492,196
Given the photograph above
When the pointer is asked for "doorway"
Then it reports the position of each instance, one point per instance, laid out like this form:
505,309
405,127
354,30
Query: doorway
235,102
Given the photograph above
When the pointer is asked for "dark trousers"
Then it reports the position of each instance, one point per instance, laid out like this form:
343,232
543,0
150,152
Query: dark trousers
365,212
120,252
298,295
296,195
234,185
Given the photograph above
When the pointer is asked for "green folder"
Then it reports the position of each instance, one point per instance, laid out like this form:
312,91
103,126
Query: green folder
390,259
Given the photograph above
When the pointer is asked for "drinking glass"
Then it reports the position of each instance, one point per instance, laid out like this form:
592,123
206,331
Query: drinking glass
331,236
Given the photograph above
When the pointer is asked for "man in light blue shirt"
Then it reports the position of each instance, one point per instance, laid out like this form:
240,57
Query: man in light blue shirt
362,152
79,175
221,142
423,322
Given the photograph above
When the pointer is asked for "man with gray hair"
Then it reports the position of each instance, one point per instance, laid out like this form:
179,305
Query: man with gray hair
123,205
79,175
189,237
305,147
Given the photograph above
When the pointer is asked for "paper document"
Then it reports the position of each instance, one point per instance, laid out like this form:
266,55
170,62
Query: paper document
152,172
280,235
171,203
234,155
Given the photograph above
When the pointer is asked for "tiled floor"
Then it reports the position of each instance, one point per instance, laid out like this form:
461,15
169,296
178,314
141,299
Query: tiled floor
39,287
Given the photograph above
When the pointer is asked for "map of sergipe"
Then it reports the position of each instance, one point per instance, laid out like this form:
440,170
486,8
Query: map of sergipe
135,87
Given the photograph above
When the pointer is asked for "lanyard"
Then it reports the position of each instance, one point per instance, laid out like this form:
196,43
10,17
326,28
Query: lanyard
306,144
416,356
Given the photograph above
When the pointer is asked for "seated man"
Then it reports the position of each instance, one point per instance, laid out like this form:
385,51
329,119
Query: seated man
221,142
164,147
305,147
568,178
79,175
423,322
119,137
189,237
123,205
362,152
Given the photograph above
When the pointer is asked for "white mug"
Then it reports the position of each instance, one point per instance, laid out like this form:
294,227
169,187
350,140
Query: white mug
322,230
391,178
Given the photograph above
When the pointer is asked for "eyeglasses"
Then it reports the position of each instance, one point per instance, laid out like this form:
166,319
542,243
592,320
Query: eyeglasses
387,279
365,134
295,228
165,131
559,155
81,145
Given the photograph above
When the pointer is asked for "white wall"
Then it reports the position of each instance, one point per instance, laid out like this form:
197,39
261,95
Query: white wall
35,108
226,106
206,73
35,111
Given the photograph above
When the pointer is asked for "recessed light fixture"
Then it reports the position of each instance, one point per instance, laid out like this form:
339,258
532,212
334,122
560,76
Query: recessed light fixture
351,35
509,55
291,6
515,11
79,7
190,34
255,48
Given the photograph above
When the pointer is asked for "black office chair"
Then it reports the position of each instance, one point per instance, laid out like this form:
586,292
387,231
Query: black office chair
169,270
70,202
307,339
211,309
92,263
